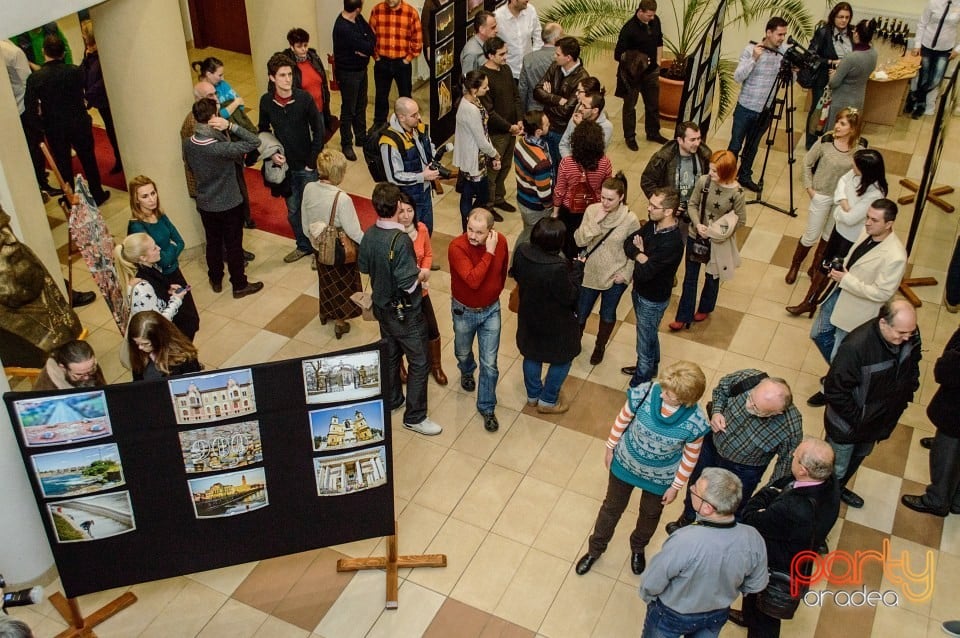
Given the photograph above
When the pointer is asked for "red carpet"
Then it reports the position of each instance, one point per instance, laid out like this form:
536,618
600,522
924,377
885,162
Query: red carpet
270,213
105,161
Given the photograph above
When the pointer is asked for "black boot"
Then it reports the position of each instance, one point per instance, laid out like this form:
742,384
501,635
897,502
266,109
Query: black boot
603,335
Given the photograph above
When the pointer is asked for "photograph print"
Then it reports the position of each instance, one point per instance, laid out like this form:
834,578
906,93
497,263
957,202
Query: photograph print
63,419
445,94
347,426
92,517
444,58
444,23
221,447
229,494
213,397
473,8
78,471
342,377
351,472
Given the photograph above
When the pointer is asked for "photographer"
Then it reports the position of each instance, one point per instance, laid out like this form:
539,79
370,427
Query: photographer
387,255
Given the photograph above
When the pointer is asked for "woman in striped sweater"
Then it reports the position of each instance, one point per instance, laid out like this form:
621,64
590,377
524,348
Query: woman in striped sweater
654,445
588,163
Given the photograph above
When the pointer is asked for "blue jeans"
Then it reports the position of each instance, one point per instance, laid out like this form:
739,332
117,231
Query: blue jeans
847,458
663,622
553,145
475,194
484,324
748,127
422,203
609,300
298,180
688,298
544,391
749,475
648,314
822,332
933,66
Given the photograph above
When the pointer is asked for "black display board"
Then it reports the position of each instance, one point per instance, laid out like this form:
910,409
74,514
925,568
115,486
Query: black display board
187,496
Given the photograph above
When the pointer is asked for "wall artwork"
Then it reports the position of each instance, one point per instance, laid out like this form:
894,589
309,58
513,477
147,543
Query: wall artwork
352,472
346,426
213,397
81,470
229,494
92,517
443,23
221,447
342,377
63,419
444,58
473,8
445,94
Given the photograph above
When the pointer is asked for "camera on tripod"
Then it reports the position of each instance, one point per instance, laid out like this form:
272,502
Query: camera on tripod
802,58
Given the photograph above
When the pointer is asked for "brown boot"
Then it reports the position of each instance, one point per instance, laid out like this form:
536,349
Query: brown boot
798,256
812,299
603,335
817,258
403,371
436,368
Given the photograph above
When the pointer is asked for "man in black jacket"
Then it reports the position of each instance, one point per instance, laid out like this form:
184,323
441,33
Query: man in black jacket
641,34
502,102
557,91
870,382
656,250
793,514
678,163
353,43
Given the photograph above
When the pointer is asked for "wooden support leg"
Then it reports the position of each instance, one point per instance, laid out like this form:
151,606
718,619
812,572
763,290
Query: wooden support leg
933,196
81,627
907,285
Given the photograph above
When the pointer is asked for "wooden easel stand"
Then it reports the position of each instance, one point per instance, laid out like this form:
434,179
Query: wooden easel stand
933,196
81,627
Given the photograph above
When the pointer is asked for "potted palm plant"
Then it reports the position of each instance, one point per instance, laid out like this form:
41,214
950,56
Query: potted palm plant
597,23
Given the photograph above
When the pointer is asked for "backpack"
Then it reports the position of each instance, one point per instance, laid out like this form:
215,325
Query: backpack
582,195
371,149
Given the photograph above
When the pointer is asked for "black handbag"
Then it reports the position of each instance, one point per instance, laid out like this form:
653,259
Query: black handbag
700,248
776,600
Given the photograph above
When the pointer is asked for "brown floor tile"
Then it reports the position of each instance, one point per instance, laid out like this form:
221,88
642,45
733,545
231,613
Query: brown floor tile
582,415
855,537
54,221
889,456
743,233
717,331
312,596
783,255
440,243
780,144
272,579
568,394
294,318
896,162
925,529
455,618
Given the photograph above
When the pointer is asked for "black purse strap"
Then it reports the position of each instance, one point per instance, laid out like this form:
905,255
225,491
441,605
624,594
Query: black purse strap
592,250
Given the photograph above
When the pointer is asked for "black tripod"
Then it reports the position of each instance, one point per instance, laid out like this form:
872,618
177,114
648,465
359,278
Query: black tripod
781,107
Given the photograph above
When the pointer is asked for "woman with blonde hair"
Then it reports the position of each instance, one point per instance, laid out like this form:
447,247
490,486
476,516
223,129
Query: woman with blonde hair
654,445
325,203
158,349
148,288
716,208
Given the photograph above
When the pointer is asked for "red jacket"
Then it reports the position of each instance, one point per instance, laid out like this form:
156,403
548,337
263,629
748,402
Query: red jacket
476,276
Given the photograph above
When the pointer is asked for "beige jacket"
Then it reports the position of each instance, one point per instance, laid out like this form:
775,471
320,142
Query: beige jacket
871,282
724,255
609,259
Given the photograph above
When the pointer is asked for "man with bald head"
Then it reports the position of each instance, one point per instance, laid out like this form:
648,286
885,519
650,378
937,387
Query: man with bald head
535,64
752,419
872,378
406,152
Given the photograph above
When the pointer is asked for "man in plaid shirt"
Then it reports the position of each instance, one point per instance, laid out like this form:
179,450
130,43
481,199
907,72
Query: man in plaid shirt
399,40
752,418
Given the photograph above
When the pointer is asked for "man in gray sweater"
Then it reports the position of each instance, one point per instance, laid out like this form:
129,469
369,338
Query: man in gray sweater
213,158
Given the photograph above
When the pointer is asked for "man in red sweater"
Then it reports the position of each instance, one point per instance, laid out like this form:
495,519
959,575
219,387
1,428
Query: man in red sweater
478,270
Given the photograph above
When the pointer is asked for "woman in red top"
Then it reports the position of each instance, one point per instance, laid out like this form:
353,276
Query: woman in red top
587,162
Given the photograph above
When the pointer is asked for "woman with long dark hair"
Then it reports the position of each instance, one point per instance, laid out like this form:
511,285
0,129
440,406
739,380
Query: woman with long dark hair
849,81
157,349
582,171
831,41
473,148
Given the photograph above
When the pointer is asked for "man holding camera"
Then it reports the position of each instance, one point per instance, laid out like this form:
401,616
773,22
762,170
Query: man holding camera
756,72
407,154
386,254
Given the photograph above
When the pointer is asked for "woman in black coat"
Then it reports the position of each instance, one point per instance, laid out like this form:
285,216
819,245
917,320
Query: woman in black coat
548,330
831,41
943,494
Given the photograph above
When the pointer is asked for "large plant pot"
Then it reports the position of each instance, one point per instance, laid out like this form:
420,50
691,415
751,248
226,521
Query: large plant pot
670,94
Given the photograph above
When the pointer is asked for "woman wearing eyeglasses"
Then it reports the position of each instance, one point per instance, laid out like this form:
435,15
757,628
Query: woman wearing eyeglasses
653,445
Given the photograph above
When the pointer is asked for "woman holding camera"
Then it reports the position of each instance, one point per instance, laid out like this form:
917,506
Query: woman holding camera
855,191
716,208
823,165
608,270
473,148
831,41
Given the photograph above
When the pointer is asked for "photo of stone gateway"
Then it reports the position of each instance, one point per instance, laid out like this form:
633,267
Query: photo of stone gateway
342,378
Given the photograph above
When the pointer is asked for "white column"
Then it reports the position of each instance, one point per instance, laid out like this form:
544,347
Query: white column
268,23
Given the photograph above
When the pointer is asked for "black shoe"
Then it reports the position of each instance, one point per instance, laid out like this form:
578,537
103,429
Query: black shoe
822,549
917,505
632,144
117,169
917,114
248,256
659,139
349,154
51,191
505,206
926,442
677,524
638,563
101,198
750,185
955,510
251,288
467,382
403,402
497,217
585,563
435,267
249,223
736,617
490,423
80,299
629,370
851,498
817,400
217,286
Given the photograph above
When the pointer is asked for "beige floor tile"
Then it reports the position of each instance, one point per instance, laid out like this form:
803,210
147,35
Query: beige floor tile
357,608
950,539
476,441
224,580
234,619
527,510
590,477
273,627
233,336
532,590
918,460
753,337
879,509
416,527
947,583
623,614
760,245
568,525
459,541
414,464
450,479
915,575
788,346
187,613
490,572
521,444
559,456
578,605
486,497
413,614
899,622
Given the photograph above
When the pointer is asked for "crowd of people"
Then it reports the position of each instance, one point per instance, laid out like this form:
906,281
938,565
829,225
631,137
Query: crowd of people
530,108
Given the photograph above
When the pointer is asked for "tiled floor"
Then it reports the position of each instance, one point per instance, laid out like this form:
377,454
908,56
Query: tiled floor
512,510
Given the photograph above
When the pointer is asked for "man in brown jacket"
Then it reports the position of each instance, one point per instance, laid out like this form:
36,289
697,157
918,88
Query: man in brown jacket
72,365
557,91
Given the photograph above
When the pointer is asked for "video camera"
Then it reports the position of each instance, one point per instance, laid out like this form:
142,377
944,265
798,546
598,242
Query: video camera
802,58
29,596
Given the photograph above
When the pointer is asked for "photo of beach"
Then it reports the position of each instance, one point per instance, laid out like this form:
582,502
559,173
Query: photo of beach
79,471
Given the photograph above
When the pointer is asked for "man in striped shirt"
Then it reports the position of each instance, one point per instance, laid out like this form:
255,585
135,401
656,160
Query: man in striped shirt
752,418
399,40
534,171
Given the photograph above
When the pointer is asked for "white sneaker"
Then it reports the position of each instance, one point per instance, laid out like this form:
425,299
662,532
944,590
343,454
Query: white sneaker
425,427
